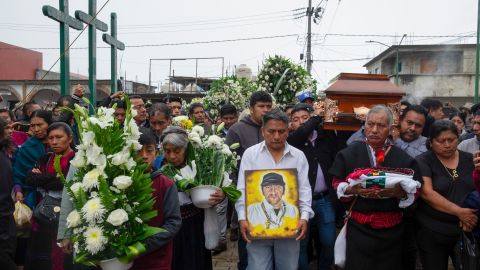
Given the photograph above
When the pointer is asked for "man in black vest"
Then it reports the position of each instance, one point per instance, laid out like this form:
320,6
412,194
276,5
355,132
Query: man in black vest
375,228
318,145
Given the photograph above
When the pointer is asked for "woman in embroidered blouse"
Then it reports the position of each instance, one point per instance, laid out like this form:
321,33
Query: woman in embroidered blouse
43,251
447,176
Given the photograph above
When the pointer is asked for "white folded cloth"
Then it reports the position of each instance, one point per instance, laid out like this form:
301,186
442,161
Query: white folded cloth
408,184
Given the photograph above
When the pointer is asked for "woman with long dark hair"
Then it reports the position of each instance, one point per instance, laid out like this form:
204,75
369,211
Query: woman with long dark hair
447,176
29,153
25,158
43,250
7,224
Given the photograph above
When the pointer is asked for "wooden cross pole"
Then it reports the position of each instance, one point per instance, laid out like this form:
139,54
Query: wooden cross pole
93,24
114,44
66,21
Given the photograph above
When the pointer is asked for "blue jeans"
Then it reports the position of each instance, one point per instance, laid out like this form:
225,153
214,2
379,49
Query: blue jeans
324,220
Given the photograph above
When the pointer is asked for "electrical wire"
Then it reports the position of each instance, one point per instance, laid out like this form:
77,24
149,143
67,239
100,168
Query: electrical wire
62,53
166,44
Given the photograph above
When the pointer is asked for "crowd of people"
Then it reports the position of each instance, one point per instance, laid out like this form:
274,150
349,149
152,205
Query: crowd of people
439,148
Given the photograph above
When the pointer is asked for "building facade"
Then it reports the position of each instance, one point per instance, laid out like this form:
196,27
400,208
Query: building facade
444,72
22,78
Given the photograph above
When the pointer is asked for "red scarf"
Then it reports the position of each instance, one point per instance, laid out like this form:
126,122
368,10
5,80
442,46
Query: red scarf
379,156
64,163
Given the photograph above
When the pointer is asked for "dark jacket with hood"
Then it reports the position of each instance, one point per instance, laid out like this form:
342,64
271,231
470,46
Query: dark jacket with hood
246,132
322,152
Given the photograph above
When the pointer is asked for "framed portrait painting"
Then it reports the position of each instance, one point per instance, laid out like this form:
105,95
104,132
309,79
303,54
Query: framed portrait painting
271,203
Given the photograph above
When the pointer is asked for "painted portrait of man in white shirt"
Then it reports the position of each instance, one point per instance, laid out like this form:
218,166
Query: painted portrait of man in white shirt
270,213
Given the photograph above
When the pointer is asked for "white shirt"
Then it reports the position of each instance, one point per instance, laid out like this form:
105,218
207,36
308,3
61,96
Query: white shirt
257,157
257,214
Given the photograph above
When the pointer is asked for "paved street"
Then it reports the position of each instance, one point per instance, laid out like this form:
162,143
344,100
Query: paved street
226,260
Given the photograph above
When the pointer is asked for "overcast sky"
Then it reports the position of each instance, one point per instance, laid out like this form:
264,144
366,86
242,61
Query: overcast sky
154,22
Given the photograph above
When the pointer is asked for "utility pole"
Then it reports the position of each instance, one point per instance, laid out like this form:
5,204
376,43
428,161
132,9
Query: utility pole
477,54
309,37
397,60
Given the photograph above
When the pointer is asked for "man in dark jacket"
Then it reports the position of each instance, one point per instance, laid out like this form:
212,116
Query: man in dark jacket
319,146
247,132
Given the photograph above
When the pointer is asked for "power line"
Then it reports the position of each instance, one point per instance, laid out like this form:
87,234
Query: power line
62,53
342,60
261,16
166,44
394,36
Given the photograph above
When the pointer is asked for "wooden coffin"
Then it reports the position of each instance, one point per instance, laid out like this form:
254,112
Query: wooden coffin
354,90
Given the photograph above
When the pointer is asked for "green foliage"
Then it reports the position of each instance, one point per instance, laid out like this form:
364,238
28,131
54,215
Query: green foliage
108,151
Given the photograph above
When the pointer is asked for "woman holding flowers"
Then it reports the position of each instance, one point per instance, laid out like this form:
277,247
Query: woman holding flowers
43,251
189,250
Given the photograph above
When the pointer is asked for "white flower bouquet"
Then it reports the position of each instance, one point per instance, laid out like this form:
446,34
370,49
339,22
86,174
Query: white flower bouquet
284,79
209,163
233,90
110,191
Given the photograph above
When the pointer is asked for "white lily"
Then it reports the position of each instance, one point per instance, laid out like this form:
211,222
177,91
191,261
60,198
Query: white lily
188,172
226,180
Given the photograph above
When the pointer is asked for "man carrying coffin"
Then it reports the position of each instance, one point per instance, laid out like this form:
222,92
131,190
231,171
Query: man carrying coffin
375,228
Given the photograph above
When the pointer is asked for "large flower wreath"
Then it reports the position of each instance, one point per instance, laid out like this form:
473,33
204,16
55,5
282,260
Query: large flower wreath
284,79
232,90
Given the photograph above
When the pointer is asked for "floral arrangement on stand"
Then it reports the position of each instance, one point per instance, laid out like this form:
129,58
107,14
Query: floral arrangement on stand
284,79
110,191
231,89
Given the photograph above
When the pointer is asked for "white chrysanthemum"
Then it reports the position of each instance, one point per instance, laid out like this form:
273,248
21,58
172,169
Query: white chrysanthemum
76,187
178,119
117,217
94,239
214,141
139,220
226,150
90,179
122,182
199,130
93,210
73,219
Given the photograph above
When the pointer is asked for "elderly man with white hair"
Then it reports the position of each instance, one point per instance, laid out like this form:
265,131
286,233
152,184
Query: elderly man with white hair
375,228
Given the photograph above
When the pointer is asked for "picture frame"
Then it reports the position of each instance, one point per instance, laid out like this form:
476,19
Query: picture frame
272,203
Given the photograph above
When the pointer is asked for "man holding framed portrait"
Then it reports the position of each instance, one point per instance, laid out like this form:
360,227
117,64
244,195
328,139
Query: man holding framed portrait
275,205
